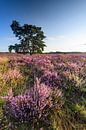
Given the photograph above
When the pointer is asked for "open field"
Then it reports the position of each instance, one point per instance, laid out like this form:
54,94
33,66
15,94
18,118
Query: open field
42,92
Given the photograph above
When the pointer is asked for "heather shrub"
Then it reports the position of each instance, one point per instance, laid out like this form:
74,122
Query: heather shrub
45,92
30,108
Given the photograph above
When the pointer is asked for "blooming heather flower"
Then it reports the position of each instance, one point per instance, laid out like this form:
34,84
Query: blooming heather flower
29,106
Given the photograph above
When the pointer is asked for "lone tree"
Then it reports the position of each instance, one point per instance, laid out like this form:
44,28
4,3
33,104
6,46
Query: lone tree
31,38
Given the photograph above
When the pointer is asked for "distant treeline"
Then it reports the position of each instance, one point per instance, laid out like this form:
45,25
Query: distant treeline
58,52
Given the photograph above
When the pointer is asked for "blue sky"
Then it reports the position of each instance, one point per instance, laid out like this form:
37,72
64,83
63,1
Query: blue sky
63,22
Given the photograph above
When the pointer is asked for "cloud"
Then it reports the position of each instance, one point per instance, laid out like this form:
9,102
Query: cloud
55,38
66,43
83,44
54,43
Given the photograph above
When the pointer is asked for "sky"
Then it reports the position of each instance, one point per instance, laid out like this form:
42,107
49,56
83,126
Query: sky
63,22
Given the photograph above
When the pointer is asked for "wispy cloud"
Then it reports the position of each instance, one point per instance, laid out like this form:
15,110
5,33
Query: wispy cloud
54,43
55,38
66,43
83,44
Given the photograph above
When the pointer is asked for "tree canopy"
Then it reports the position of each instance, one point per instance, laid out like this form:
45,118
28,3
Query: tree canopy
31,38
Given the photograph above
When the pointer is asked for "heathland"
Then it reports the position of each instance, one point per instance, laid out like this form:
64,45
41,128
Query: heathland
42,91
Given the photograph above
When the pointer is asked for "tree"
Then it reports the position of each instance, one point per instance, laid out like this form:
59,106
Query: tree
14,47
31,38
10,48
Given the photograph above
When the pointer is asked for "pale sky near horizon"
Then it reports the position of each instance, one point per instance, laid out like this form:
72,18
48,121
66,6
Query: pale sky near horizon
63,22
